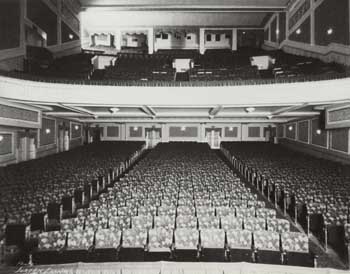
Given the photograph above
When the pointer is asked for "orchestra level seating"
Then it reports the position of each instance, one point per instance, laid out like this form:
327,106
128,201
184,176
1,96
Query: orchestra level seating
313,191
179,202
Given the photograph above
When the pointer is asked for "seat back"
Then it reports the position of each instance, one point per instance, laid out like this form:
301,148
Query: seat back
186,238
212,238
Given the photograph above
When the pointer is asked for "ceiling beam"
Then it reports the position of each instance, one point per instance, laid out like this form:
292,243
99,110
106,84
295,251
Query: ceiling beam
149,111
288,109
77,109
215,111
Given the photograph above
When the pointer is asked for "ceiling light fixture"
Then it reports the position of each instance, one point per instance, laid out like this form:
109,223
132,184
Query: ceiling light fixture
330,31
250,109
114,110
47,131
183,128
290,128
298,31
71,36
136,128
230,129
318,132
76,127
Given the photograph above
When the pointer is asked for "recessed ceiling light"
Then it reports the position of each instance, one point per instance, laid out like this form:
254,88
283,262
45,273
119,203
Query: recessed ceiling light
114,110
250,109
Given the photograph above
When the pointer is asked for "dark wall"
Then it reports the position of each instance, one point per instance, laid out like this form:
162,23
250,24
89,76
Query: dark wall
45,18
303,131
266,34
76,130
9,24
291,132
133,132
282,27
6,144
250,38
318,139
47,138
112,131
253,132
67,33
340,140
231,133
273,30
187,132
305,35
335,15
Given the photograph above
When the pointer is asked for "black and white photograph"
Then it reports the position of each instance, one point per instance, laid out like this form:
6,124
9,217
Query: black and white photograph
174,136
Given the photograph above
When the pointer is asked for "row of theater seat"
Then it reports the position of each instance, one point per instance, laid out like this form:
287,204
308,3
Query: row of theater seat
27,188
179,188
313,191
167,240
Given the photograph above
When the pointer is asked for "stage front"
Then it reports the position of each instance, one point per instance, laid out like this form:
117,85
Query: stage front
173,268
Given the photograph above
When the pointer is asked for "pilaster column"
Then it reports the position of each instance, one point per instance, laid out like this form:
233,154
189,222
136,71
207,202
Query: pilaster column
150,37
201,40
118,39
312,23
234,39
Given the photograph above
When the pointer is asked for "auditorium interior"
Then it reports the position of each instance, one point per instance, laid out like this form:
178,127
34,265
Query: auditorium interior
188,136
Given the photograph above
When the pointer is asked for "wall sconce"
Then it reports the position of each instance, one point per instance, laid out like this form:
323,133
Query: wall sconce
330,31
